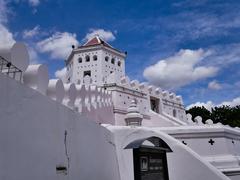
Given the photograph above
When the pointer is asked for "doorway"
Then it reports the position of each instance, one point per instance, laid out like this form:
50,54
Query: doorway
150,163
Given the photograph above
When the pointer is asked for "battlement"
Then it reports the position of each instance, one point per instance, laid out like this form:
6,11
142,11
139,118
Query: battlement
104,104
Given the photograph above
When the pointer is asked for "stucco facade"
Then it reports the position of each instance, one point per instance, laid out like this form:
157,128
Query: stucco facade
51,129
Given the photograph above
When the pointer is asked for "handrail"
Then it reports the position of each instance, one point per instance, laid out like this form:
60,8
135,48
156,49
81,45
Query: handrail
9,69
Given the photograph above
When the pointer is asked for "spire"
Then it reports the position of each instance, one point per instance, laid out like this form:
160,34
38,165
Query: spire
133,116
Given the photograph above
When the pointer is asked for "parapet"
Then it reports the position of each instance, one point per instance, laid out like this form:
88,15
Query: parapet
70,95
36,77
56,90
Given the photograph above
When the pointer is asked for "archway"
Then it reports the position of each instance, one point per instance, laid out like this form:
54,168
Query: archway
149,158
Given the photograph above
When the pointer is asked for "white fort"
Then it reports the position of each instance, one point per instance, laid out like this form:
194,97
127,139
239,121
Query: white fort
99,124
99,64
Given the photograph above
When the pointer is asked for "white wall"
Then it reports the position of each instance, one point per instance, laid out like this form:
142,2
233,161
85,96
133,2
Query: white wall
32,132
100,69
183,163
224,153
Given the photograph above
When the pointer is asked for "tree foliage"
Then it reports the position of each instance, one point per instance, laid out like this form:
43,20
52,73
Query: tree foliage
225,114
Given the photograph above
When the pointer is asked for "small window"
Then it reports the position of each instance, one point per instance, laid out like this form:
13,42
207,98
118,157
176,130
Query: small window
80,60
113,61
119,63
87,73
106,58
95,58
174,113
87,58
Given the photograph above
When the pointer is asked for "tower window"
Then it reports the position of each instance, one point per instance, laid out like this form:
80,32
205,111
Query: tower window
80,60
87,73
95,58
113,61
119,63
87,58
106,58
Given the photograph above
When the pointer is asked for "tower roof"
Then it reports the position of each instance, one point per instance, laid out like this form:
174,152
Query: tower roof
96,41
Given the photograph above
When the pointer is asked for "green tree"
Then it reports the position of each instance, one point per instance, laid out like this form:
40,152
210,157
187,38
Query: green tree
221,114
225,114
199,111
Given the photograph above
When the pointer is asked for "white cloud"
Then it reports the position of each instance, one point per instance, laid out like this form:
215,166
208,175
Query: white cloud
214,85
59,45
232,103
104,34
34,57
6,37
29,33
34,3
209,104
61,74
180,69
3,11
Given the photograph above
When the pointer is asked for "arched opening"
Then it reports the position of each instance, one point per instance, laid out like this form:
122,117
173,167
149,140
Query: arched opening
95,58
119,63
87,58
113,61
149,158
80,60
106,58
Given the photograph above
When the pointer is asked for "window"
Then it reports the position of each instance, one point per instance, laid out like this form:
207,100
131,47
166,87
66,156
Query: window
80,60
95,58
154,102
113,61
87,73
174,113
87,58
119,63
106,58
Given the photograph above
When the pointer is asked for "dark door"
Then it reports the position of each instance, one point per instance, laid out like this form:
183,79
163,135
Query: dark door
150,163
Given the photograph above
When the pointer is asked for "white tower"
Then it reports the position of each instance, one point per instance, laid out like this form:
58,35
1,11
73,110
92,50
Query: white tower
96,59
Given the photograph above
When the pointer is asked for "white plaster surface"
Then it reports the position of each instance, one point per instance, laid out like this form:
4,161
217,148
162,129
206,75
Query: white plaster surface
70,94
183,163
40,132
36,77
32,139
56,90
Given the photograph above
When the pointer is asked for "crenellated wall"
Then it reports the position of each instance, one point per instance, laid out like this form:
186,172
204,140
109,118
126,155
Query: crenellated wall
43,139
148,97
50,129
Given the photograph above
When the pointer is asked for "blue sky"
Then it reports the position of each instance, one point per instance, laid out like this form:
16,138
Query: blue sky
189,47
